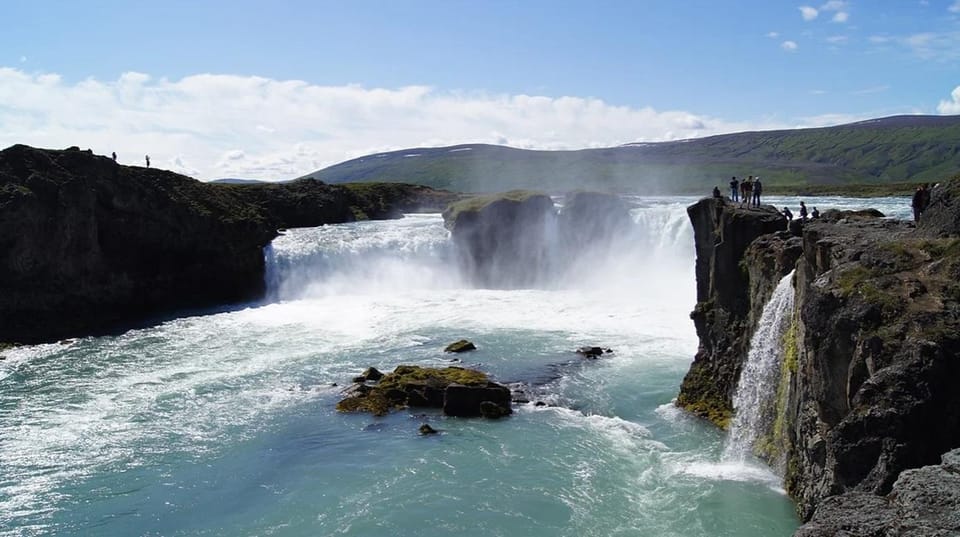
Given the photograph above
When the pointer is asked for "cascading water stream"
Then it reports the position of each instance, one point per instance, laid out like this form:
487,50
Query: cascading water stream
754,400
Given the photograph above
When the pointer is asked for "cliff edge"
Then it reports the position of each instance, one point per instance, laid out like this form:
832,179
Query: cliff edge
88,246
870,358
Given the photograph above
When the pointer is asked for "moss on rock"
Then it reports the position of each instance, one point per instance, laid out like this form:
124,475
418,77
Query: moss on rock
408,385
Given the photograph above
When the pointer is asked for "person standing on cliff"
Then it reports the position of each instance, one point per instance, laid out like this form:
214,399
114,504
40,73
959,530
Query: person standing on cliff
147,158
716,192
114,155
803,211
757,189
734,189
746,190
917,203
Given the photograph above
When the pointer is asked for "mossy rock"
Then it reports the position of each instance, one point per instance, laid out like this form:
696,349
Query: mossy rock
460,346
476,204
409,385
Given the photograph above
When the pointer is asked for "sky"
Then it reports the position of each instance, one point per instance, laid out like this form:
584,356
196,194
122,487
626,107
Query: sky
275,90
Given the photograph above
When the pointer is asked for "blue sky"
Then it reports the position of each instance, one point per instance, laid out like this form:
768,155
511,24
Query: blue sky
277,89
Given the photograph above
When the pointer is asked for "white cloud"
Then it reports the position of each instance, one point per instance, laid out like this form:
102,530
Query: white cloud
837,39
808,13
773,35
955,7
834,5
840,16
873,89
953,105
789,46
211,126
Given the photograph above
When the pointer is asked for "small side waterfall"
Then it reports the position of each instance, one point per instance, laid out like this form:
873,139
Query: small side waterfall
754,403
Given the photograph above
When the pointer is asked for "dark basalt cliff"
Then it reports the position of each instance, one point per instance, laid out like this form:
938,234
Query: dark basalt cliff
87,245
519,238
872,355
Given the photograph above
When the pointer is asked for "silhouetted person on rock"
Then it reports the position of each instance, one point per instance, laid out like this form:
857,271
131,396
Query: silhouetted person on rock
147,158
814,213
787,213
757,189
114,155
919,198
803,211
746,190
716,192
734,189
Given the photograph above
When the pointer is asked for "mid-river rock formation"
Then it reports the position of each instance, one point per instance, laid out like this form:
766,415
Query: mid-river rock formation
519,239
868,381
87,245
458,391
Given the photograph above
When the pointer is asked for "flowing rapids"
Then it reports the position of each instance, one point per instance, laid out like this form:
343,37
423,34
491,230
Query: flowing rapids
224,424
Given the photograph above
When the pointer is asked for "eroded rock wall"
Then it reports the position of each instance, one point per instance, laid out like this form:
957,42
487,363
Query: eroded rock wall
867,387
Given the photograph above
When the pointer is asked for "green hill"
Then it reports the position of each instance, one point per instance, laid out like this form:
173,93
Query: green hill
880,151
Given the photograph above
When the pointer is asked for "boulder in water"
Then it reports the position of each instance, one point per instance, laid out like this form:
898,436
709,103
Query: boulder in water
593,352
426,429
371,373
466,400
416,386
460,346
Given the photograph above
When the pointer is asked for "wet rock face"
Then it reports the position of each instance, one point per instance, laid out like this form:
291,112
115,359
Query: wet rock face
502,240
518,239
723,316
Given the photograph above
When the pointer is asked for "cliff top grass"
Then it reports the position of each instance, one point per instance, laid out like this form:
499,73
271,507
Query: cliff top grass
477,203
906,276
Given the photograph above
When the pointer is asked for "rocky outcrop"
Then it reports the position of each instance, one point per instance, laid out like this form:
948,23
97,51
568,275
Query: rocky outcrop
729,300
923,503
88,246
503,239
867,383
459,392
519,239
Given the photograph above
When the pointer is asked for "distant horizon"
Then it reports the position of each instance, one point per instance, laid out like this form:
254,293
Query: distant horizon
369,77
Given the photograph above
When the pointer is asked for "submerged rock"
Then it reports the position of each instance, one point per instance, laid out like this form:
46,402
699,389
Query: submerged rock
426,429
460,346
593,352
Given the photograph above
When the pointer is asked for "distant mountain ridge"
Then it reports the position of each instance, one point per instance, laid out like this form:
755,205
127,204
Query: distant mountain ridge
885,150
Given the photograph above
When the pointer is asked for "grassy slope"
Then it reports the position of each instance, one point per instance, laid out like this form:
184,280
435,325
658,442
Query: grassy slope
901,149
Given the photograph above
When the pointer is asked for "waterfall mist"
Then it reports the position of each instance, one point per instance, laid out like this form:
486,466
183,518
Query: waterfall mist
651,252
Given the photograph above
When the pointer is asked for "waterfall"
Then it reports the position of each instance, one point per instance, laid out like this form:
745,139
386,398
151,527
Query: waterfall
415,252
754,403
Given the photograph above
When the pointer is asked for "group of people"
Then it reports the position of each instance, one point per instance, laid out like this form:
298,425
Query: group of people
747,191
788,214
145,157
920,202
